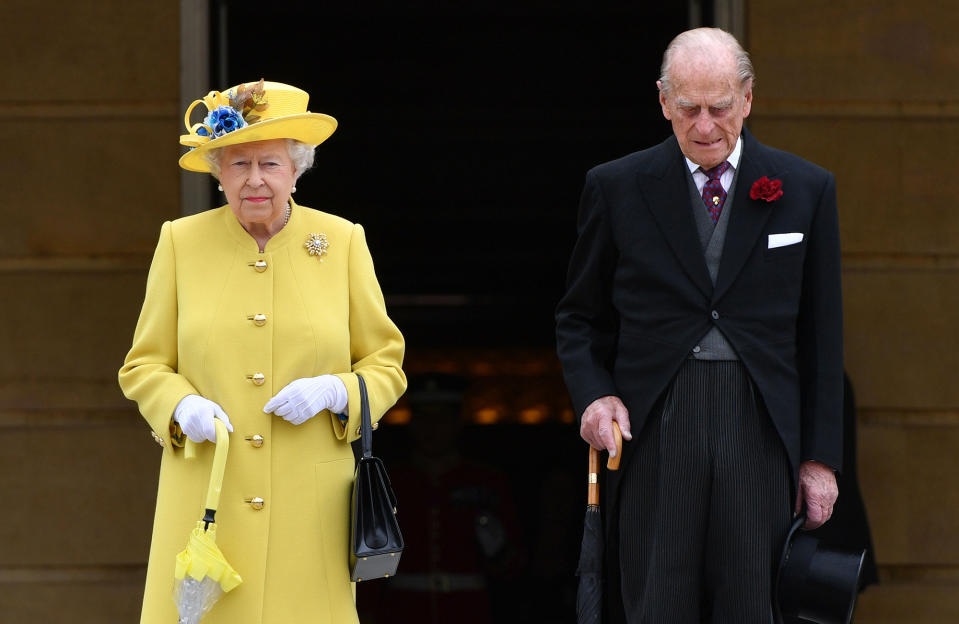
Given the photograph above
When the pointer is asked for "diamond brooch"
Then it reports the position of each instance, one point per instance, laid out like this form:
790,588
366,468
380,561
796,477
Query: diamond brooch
317,245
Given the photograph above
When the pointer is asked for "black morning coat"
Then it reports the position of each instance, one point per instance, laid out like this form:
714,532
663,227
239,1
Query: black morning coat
639,296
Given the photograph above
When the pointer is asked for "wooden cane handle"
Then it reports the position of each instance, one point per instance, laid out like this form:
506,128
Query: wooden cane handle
613,462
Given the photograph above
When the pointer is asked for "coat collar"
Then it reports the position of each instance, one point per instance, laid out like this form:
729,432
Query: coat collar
664,186
749,215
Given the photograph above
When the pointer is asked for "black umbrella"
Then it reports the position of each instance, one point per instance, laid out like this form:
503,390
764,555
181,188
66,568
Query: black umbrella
589,595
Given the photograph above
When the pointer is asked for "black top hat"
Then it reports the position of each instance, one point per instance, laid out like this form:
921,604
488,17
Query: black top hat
815,583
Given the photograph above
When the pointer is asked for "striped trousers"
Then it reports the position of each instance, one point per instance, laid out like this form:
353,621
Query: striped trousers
704,505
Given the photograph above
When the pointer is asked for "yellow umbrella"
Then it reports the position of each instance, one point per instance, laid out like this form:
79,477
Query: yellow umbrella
202,573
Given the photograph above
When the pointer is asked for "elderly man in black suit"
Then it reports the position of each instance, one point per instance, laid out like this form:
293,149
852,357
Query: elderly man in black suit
703,315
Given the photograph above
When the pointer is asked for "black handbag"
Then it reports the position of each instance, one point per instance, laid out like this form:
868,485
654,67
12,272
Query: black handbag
375,539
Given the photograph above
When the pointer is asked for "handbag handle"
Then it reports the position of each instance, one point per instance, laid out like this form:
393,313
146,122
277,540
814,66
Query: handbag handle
366,427
366,437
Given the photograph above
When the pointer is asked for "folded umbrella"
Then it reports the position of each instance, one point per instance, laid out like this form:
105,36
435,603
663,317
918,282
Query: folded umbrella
589,594
202,574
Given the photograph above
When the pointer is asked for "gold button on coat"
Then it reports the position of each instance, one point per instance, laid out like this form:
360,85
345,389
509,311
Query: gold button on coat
256,441
256,502
359,430
257,378
260,266
258,319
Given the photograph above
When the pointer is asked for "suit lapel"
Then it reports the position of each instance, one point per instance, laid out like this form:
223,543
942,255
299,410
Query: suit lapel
748,217
667,195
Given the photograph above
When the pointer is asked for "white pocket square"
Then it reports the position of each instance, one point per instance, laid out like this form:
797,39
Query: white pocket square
781,240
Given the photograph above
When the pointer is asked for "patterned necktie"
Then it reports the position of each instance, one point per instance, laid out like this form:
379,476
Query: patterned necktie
714,195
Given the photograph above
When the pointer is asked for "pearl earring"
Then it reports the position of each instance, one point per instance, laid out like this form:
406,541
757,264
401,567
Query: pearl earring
293,190
219,187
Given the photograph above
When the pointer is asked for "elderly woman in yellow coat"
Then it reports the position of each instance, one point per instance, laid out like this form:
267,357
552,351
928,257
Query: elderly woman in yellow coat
261,313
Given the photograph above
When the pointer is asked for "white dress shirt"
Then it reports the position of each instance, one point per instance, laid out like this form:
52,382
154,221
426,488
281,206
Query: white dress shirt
727,178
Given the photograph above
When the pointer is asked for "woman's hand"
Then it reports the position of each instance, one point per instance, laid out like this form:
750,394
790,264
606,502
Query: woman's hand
195,415
304,398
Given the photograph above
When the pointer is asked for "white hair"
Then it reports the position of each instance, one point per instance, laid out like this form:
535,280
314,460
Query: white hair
705,41
300,153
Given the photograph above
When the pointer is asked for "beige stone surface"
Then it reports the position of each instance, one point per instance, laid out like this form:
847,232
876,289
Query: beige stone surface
91,50
69,326
907,476
909,603
90,142
850,50
97,187
889,175
73,602
902,328
78,496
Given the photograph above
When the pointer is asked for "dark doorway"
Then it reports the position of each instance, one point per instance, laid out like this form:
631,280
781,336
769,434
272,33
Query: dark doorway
465,133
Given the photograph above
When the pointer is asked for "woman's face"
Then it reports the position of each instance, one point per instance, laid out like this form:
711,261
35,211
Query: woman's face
257,179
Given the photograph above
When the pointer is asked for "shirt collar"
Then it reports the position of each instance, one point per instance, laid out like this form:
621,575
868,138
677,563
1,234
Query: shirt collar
732,160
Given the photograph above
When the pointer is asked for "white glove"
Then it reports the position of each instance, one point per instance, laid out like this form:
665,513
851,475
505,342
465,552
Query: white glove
304,398
195,415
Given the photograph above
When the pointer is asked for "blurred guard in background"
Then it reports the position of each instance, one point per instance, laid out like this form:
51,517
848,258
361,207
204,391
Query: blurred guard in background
458,520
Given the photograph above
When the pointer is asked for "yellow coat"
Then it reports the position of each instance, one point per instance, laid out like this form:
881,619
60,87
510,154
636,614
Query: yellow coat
196,335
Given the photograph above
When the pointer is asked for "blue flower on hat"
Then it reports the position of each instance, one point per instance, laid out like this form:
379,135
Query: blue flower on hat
222,120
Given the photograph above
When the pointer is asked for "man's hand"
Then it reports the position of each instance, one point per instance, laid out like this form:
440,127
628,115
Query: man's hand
818,489
596,426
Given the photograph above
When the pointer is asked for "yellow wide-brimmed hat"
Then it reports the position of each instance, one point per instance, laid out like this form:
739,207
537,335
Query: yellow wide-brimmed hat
254,111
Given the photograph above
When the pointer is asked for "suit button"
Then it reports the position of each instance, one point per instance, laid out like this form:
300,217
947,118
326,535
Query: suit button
696,349
258,319
715,315
256,441
157,438
256,502
260,266
257,378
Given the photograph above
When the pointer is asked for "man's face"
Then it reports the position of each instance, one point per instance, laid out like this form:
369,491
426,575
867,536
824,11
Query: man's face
706,105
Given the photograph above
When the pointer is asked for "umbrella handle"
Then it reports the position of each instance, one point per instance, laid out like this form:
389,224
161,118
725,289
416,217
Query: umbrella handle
613,462
189,447
592,492
219,466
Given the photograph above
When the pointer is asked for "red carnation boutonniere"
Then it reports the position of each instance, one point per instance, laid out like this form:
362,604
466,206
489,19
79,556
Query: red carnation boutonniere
766,189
